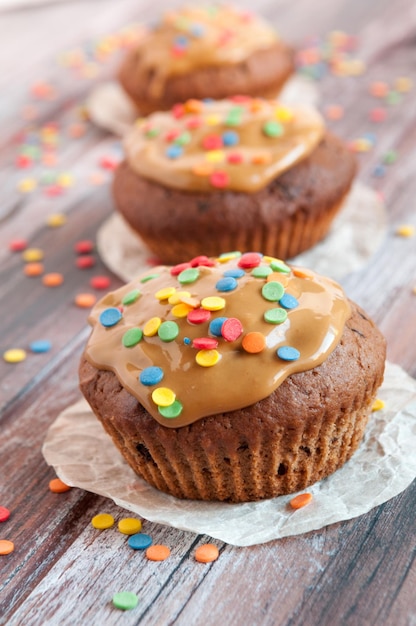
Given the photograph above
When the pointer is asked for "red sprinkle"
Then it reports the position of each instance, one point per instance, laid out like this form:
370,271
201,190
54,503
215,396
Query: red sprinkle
378,114
85,262
249,259
235,158
23,161
172,135
232,329
100,282
212,142
219,179
84,246
193,123
202,260
4,514
177,269
198,316
108,163
178,111
18,245
205,343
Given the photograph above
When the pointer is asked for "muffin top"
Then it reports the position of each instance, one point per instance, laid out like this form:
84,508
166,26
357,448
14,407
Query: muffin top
198,36
215,335
238,144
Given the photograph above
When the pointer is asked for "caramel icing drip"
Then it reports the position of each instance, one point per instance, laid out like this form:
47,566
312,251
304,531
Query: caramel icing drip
193,325
201,36
240,144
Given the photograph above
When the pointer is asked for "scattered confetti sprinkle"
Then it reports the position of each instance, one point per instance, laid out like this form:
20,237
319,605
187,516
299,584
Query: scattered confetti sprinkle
139,541
206,553
6,547
85,300
298,502
157,552
56,485
14,355
125,600
53,279
406,230
102,521
129,526
40,346
4,514
378,405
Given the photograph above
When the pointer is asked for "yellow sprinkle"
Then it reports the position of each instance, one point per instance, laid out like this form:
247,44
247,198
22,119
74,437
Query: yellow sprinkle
129,526
32,254
207,358
356,67
102,521
215,156
163,396
56,219
212,120
14,355
227,256
405,230
213,303
165,293
65,180
176,297
152,326
403,84
181,310
26,185
284,114
378,405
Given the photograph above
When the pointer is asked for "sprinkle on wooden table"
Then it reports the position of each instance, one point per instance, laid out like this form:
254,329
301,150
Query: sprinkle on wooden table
129,526
6,546
55,220
101,521
125,600
18,245
206,553
4,514
26,185
32,254
406,230
298,502
157,552
100,282
378,405
14,355
33,269
85,300
84,246
53,279
85,262
40,346
56,485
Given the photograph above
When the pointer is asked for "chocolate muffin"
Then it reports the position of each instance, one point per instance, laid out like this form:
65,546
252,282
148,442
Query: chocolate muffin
243,174
232,379
208,51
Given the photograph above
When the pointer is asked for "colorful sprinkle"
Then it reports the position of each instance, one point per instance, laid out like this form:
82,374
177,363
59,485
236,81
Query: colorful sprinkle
168,331
215,326
275,316
33,269
234,273
188,276
85,246
32,254
263,271
85,300
272,291
303,499
110,317
4,514
288,353
139,541
273,128
6,547
40,345
219,179
279,266
56,485
254,342
165,293
207,358
198,316
157,552
171,411
132,337
18,245
232,329
378,405
227,283
100,282
14,355
129,526
151,375
406,230
250,260
54,279
206,553
131,297
163,396
205,343
102,521
152,326
288,301
213,303
125,600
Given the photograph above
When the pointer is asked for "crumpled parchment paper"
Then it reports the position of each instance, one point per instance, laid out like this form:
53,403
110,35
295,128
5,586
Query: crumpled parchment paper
84,456
355,235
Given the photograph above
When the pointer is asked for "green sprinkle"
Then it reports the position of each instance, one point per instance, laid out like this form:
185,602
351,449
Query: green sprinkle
172,411
280,266
183,139
125,600
262,271
152,132
168,331
132,337
131,297
272,128
149,277
275,316
272,291
189,275
390,157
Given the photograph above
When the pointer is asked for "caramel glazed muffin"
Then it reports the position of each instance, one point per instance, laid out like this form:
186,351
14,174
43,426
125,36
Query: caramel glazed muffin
238,174
208,51
232,379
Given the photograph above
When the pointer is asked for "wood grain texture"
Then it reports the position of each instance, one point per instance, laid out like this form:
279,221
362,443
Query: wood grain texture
63,572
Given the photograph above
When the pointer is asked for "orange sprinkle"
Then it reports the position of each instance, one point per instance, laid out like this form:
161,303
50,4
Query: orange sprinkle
56,485
33,269
301,500
300,272
85,300
157,552
259,159
254,342
206,553
6,546
279,277
202,169
193,106
53,280
256,105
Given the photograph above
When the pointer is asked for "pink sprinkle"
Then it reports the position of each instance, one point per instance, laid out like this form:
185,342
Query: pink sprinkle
198,316
249,259
205,343
219,179
180,267
232,329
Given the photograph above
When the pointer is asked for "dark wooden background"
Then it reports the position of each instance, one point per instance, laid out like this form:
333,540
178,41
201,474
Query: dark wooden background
358,572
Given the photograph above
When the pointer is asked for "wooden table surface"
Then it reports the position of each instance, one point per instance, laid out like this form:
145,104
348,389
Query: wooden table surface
53,161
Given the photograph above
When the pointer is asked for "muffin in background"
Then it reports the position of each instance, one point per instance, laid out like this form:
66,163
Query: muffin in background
205,51
232,379
237,174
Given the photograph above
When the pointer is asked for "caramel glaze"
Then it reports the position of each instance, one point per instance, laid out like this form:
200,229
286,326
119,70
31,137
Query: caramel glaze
239,378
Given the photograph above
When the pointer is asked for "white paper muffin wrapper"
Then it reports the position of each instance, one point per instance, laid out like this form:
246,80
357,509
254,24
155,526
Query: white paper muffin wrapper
84,456
355,235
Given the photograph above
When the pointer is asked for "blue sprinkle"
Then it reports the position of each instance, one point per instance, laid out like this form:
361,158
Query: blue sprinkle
151,375
187,341
226,284
197,30
236,272
379,171
41,345
288,302
215,326
230,138
287,353
174,151
139,541
181,41
110,317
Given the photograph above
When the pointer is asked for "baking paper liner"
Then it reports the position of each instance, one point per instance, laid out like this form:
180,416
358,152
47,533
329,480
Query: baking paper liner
355,235
84,456
110,108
